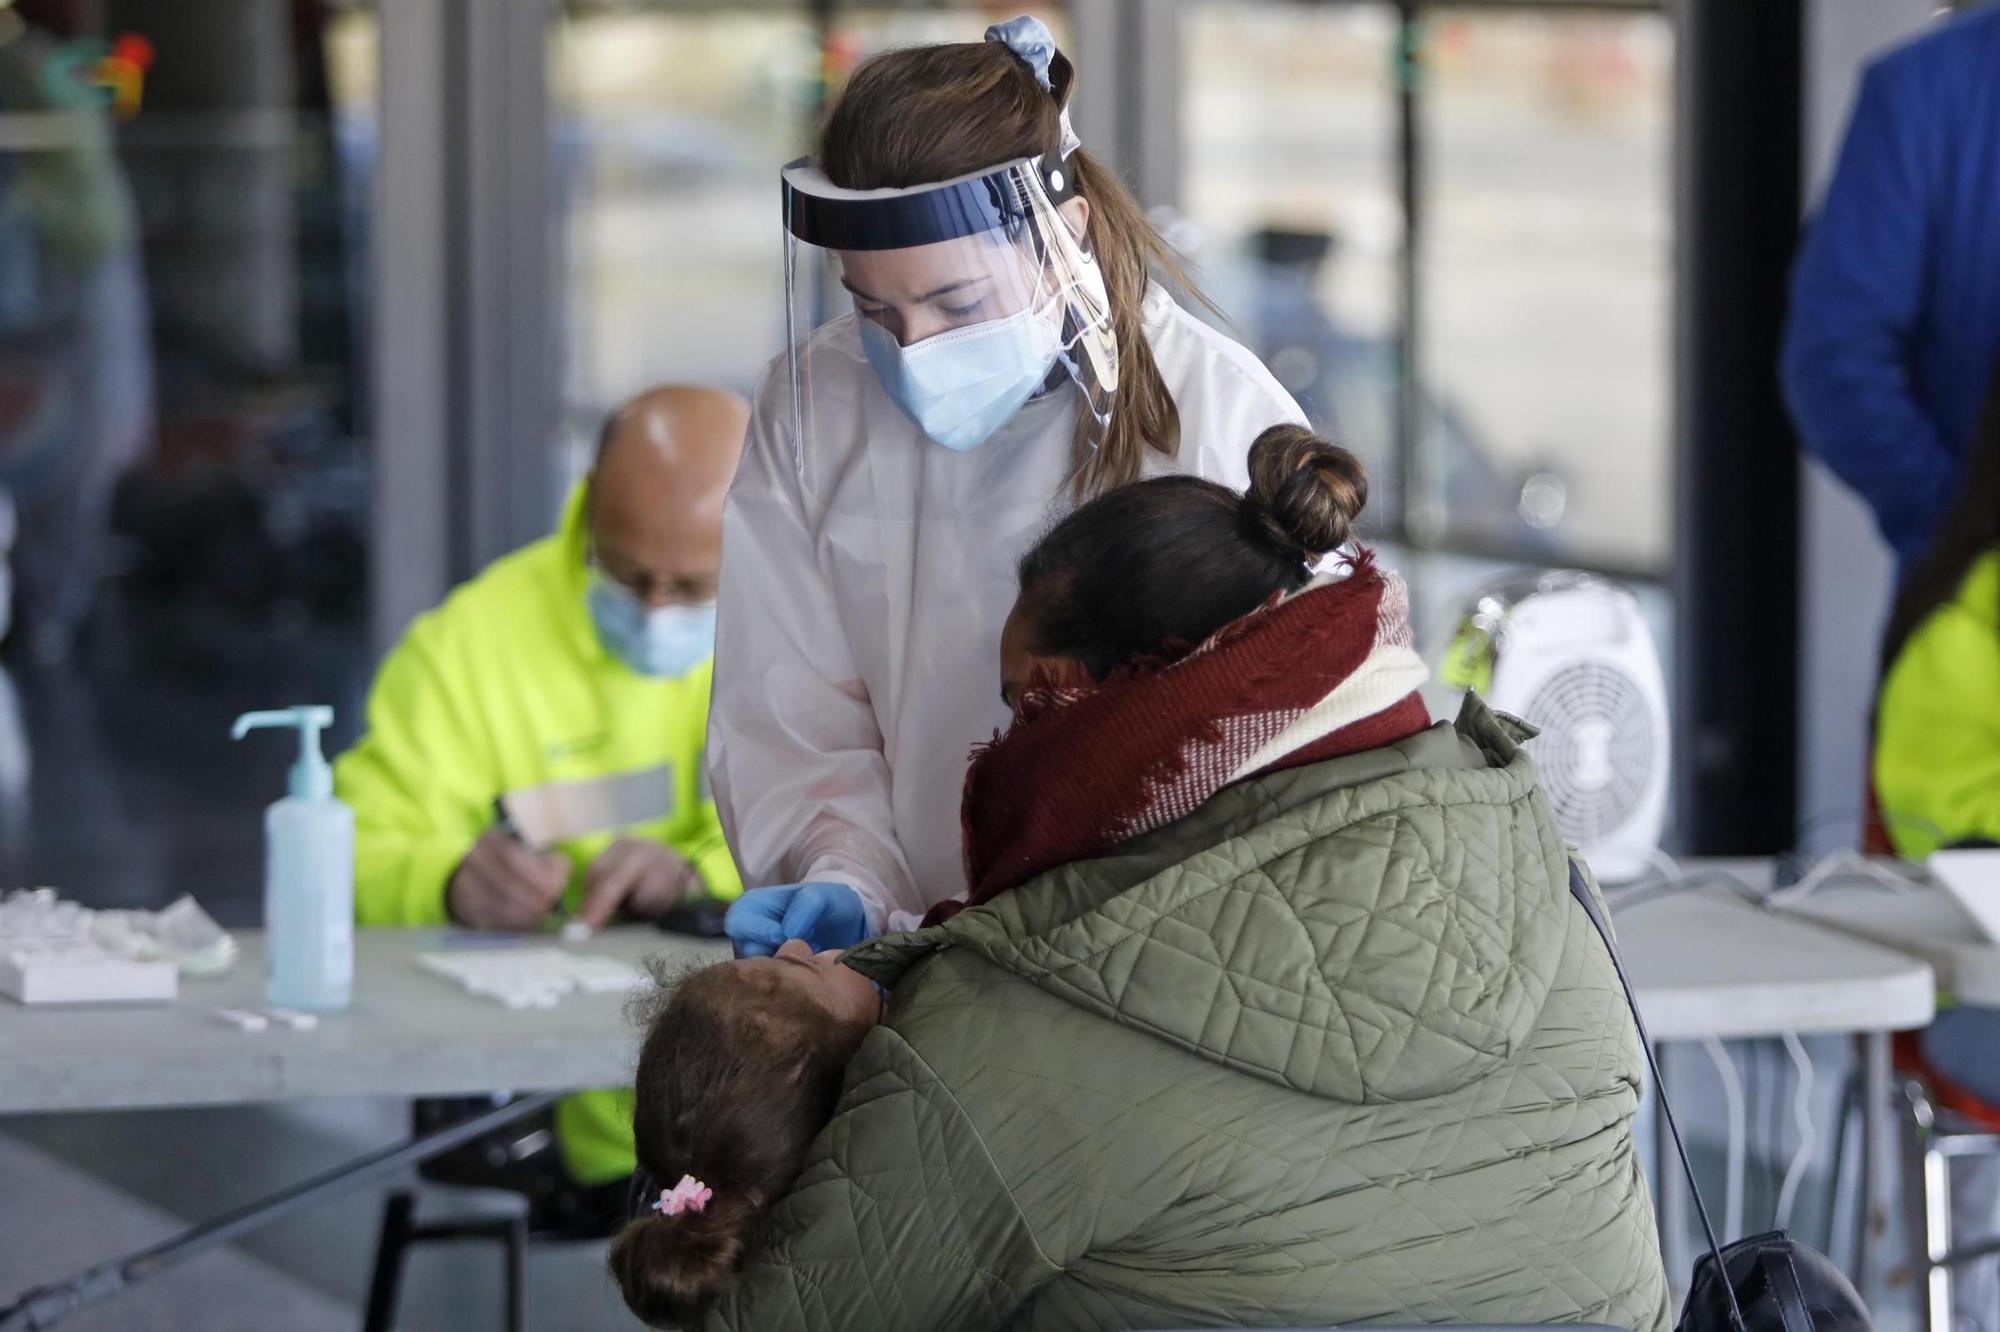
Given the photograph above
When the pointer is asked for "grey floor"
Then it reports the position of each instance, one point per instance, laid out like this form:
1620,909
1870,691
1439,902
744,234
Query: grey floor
77,1189
119,785
57,1213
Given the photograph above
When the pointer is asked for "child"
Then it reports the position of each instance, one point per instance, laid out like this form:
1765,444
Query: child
740,1068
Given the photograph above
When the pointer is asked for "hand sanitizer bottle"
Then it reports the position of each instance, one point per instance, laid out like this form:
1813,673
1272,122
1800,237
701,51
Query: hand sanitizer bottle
308,874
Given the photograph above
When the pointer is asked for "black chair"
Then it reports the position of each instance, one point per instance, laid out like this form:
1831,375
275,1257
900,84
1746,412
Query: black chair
518,1160
401,1232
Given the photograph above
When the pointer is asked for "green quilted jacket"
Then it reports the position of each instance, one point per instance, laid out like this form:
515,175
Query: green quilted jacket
1337,1048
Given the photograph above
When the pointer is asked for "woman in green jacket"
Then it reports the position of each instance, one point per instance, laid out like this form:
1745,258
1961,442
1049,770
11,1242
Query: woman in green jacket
1267,1004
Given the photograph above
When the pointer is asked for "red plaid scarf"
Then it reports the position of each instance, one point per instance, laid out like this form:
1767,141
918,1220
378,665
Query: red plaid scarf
1326,671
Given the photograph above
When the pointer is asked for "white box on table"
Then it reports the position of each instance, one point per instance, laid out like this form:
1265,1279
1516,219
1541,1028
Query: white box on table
86,977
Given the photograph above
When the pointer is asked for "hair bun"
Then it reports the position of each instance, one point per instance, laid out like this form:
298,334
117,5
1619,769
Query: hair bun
668,1267
1305,493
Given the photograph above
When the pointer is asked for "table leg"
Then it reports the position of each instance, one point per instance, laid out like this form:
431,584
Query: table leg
1672,1200
1739,1137
1872,1211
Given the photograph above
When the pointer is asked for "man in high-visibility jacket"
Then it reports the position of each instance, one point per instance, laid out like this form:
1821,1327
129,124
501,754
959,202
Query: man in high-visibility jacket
586,655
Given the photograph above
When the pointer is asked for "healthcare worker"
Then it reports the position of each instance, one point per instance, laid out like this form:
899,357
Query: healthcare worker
976,346
582,657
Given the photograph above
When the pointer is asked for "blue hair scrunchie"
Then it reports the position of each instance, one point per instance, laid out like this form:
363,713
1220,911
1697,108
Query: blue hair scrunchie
1030,39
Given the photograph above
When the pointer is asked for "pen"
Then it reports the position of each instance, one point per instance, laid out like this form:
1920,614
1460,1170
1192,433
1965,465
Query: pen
571,930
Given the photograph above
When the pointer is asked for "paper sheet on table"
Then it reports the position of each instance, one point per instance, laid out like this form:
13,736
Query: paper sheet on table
534,977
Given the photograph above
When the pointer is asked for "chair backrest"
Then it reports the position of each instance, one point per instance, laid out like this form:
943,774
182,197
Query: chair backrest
1874,829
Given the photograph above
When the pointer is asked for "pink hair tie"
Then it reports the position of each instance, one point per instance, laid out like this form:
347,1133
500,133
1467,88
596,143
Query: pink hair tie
690,1195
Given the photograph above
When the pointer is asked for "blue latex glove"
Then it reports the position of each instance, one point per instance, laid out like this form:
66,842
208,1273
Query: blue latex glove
825,915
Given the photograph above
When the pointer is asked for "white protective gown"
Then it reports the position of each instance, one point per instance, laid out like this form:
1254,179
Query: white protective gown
858,649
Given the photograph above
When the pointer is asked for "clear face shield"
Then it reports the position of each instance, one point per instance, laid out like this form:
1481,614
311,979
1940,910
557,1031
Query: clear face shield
963,300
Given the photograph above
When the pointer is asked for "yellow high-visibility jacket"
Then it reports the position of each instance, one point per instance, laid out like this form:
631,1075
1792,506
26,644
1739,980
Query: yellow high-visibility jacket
1937,726
506,686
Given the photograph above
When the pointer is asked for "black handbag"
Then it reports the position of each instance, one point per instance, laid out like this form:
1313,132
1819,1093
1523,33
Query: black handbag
1767,1283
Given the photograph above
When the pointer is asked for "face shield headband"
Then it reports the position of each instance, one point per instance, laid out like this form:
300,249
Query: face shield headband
818,212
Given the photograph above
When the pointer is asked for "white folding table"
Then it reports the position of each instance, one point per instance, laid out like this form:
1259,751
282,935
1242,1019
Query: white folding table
1703,963
408,1033
1706,963
1922,919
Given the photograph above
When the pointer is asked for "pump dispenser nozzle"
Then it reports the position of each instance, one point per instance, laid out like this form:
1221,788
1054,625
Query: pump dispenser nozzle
312,779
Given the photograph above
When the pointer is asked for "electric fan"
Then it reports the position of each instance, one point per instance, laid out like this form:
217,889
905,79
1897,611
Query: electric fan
1570,654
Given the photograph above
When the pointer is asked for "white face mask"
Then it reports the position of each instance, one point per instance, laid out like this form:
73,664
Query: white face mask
960,387
657,641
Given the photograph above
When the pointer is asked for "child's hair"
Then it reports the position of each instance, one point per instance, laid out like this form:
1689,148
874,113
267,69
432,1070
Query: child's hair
735,1078
1168,562
930,113
1970,529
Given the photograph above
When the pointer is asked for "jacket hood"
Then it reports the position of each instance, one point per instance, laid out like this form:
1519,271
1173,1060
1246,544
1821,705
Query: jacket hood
1383,926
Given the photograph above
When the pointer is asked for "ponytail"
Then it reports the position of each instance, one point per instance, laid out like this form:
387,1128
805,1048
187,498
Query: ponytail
669,1267
1128,248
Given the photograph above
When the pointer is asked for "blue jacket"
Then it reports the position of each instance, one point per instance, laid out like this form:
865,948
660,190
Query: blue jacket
1895,318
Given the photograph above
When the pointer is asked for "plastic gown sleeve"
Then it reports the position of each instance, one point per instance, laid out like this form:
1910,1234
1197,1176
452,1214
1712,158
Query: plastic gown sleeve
795,751
703,843
420,786
709,854
1857,291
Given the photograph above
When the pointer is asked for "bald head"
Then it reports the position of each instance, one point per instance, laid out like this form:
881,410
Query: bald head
663,469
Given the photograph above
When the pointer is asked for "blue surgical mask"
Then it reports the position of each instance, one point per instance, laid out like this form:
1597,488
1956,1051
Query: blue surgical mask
652,640
960,387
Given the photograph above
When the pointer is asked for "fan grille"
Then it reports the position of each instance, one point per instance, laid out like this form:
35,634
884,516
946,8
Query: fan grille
1597,747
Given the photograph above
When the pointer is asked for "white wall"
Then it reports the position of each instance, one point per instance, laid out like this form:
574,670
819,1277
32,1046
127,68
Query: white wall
1845,570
